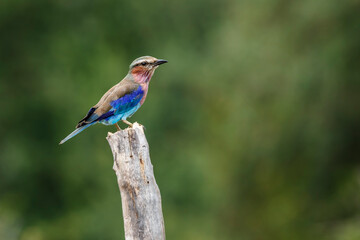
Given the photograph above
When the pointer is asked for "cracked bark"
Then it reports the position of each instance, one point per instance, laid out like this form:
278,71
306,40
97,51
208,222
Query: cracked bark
140,195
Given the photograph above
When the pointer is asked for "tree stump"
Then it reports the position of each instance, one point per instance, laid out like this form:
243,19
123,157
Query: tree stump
140,195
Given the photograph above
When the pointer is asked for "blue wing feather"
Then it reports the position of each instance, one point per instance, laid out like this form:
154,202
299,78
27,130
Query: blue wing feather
106,115
122,106
128,101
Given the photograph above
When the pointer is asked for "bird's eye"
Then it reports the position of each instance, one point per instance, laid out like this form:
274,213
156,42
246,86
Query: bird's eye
143,63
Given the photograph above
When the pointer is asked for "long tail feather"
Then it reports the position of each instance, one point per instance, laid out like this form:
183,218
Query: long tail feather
75,132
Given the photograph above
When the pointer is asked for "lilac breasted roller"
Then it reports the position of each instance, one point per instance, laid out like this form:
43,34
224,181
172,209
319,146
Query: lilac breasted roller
122,100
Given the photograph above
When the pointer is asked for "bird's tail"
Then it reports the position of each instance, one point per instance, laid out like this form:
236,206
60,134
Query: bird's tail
75,132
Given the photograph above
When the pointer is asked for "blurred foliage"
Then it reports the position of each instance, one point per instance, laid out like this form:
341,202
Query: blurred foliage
253,124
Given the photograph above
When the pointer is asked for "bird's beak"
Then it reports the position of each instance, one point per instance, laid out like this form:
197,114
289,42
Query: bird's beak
159,62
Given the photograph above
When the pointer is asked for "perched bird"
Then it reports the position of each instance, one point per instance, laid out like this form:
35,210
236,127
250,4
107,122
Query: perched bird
122,100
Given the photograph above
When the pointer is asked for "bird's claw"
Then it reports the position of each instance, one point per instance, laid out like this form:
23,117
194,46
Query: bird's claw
117,126
128,123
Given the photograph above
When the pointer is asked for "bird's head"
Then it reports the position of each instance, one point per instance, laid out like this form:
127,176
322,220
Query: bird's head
143,68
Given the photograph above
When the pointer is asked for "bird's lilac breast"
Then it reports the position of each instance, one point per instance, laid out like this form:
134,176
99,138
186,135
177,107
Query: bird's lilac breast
145,88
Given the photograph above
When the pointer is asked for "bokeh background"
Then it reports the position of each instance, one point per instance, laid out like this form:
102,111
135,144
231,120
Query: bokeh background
253,124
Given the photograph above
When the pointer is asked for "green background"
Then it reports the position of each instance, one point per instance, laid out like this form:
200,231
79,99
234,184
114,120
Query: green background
253,124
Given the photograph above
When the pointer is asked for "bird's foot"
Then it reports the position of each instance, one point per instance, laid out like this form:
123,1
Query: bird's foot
128,123
117,126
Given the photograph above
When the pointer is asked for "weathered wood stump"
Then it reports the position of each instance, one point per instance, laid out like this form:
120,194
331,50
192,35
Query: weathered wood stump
140,195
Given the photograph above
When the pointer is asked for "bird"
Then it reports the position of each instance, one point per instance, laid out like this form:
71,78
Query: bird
122,100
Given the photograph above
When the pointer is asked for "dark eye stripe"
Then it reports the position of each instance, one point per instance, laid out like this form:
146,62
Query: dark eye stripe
141,63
